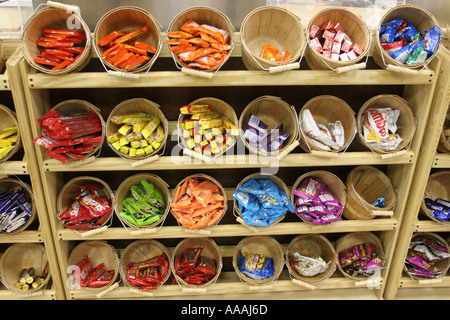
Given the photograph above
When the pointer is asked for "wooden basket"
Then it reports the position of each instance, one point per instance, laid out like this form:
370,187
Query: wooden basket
210,250
328,109
202,15
354,238
75,106
141,250
259,176
263,108
356,29
312,245
123,192
278,27
263,245
205,230
15,184
129,18
422,21
438,186
364,185
67,192
406,122
137,105
55,19
442,265
9,119
98,252
332,181
21,256
217,105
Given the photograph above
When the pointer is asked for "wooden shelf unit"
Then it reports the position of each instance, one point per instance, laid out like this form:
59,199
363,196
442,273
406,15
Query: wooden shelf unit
41,92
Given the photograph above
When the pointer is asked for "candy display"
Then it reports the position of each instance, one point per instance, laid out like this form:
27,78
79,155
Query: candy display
198,203
423,254
380,127
200,46
261,202
28,279
89,210
145,206
438,208
60,48
123,51
148,274
139,133
194,268
333,42
15,210
271,53
69,136
258,136
256,266
308,266
314,202
400,39
327,138
8,139
360,260
205,131
92,277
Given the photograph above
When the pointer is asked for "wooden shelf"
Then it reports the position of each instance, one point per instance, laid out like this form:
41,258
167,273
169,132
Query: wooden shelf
441,160
407,282
14,167
26,236
4,82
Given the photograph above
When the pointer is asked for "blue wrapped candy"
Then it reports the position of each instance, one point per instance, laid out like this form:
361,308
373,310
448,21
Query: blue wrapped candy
410,32
379,203
256,266
432,38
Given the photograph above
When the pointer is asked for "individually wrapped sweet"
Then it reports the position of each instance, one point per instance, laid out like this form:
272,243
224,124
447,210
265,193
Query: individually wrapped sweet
432,38
388,35
256,266
379,202
312,130
380,126
354,253
308,266
410,32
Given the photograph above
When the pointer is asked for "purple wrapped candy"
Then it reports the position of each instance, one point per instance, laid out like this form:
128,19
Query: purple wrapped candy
309,189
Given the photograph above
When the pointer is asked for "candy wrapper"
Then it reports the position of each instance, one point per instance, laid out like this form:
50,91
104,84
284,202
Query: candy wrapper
257,135
194,268
320,134
262,202
308,266
360,260
439,208
148,274
15,210
380,127
422,257
93,277
256,266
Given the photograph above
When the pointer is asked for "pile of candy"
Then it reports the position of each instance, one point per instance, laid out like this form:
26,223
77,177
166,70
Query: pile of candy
422,257
269,52
405,44
261,202
200,45
148,274
194,268
333,42
60,48
89,210
308,266
145,207
70,136
198,203
92,277
257,135
8,139
256,266
15,210
207,132
316,203
360,260
120,53
380,127
140,133
327,138
439,208
28,277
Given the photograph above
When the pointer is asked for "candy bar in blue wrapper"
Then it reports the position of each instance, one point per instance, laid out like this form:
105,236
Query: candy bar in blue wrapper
432,38
388,35
391,24
256,266
402,55
410,32
246,200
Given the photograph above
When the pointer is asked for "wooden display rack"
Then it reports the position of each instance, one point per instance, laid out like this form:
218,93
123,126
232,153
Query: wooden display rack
41,92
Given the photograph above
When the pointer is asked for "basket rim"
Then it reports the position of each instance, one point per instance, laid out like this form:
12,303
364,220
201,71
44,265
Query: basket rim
18,143
423,207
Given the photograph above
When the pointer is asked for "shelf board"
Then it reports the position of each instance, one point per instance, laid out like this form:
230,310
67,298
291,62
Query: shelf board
25,236
231,162
4,82
14,167
407,282
441,160
47,294
431,226
231,230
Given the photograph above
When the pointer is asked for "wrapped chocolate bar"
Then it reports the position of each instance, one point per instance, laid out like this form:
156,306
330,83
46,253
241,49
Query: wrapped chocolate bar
308,266
256,266
423,254
380,127
15,210
320,134
360,260
193,268
93,277
257,135
148,274
438,208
